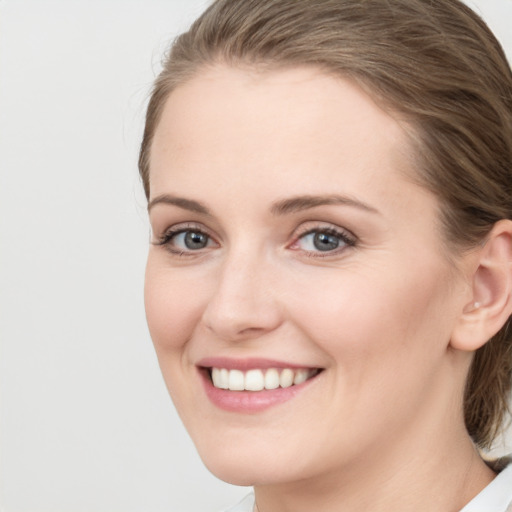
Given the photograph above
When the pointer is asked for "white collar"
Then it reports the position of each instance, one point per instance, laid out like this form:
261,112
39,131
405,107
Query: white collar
496,497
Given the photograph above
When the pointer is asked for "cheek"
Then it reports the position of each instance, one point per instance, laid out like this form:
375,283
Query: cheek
367,313
173,306
385,352
173,311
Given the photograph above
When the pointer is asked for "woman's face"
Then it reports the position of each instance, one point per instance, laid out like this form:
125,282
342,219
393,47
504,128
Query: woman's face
288,245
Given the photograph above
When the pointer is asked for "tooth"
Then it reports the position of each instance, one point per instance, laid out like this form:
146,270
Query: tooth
286,378
300,376
223,379
216,377
272,379
236,380
254,380
257,380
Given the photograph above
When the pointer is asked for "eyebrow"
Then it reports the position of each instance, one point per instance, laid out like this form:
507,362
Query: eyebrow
181,202
282,207
300,203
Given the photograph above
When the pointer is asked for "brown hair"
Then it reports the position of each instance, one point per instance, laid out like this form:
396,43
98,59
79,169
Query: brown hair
433,62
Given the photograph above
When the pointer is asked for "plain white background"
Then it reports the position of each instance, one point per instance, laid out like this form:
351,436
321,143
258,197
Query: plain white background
86,423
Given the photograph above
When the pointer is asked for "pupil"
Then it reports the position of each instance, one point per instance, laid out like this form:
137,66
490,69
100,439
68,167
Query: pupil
325,242
195,240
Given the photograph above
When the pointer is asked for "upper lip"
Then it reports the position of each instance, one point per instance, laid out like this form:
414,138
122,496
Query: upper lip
249,364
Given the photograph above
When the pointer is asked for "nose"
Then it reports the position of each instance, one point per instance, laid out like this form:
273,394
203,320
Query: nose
244,303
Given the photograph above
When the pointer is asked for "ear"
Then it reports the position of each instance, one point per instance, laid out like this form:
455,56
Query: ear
491,293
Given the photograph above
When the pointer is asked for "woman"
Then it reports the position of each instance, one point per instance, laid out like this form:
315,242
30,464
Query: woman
329,282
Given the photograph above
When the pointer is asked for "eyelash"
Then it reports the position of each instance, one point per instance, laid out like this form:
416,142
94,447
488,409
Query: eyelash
346,238
167,237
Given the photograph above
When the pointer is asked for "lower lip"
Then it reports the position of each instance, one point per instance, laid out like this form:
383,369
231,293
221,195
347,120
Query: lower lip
250,401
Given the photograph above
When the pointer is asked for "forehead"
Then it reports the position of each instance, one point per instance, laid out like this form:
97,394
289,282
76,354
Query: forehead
291,123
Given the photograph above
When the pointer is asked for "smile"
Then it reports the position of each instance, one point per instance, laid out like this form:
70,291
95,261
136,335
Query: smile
254,385
259,379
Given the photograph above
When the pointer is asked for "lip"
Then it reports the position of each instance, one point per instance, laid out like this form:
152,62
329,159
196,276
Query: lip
249,402
247,364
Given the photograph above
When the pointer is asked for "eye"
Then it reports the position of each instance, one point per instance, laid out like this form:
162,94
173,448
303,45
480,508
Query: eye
192,240
184,241
323,240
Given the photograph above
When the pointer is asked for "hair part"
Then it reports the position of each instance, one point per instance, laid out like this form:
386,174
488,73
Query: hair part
436,65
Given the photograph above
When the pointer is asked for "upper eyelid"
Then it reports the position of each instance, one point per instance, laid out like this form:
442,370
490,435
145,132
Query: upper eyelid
312,226
186,226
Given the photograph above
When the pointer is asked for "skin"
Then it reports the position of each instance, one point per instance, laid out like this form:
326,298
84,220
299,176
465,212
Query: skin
381,423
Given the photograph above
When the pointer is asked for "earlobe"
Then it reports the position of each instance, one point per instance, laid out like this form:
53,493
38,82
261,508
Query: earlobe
491,301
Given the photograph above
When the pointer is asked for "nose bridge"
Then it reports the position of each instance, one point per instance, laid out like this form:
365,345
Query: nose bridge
243,303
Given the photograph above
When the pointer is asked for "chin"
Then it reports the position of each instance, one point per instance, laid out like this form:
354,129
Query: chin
253,465
234,464
243,476
248,474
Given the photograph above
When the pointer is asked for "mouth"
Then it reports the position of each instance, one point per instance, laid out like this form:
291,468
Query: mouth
257,379
254,385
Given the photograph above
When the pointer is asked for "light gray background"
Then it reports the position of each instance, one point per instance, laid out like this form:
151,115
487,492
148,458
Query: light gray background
86,423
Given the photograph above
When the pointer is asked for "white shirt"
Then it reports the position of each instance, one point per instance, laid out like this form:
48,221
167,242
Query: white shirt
496,497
